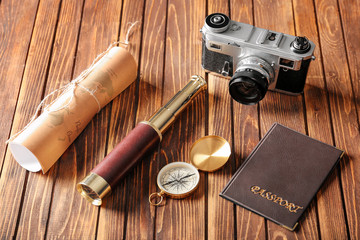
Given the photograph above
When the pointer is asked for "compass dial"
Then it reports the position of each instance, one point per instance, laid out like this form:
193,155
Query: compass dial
178,179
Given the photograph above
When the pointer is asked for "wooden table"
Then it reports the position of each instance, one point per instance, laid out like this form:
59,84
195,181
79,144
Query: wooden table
46,43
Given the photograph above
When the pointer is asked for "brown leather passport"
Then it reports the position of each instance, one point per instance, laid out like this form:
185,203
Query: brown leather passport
282,175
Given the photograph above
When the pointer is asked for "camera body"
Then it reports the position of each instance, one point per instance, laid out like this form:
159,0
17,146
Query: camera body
255,59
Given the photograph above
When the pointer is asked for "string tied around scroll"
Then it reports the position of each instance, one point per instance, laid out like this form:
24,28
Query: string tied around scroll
74,84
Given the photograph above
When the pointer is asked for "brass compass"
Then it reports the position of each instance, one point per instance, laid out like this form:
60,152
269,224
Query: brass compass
180,179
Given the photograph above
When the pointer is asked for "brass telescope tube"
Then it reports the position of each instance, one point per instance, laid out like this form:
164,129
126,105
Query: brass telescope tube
147,134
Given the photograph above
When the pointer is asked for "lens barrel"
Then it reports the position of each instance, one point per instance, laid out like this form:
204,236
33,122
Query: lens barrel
251,80
248,86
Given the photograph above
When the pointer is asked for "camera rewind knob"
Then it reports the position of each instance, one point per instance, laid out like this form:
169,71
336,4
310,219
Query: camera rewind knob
217,22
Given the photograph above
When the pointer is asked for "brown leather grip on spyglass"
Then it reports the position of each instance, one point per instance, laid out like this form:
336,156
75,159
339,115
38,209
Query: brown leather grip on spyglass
127,153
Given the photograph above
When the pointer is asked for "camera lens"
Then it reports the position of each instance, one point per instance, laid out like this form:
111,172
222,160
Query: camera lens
248,87
251,80
217,22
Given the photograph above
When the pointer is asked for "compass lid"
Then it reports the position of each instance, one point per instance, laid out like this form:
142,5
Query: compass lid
210,153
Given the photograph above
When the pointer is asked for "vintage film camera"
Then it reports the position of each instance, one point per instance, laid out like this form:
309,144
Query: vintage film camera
256,59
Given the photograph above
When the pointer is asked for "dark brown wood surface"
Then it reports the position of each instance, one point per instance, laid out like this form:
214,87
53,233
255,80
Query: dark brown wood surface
46,43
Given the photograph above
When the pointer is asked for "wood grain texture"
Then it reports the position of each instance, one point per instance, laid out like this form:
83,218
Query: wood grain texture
350,15
246,135
284,109
31,90
15,40
39,187
342,106
329,203
78,218
183,219
219,123
44,44
119,206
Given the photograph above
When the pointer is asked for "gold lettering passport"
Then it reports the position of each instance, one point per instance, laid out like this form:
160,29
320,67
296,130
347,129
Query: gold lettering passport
282,175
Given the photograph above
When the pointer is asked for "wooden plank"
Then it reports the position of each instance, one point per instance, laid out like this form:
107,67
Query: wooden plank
221,216
219,123
121,123
14,177
350,18
78,218
39,187
183,219
246,135
141,217
342,105
17,22
329,203
288,110
349,11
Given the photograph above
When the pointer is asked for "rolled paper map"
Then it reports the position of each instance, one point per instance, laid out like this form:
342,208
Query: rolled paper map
40,144
147,134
